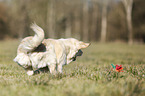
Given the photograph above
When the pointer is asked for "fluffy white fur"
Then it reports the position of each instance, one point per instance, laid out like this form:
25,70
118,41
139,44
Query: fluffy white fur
37,52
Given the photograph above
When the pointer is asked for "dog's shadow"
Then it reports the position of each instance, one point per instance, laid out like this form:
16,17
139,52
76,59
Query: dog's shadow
41,70
46,70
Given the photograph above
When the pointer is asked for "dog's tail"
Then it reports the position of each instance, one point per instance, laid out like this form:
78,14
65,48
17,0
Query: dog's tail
39,35
29,44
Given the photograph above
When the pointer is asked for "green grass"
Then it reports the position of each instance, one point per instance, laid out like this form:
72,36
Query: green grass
90,75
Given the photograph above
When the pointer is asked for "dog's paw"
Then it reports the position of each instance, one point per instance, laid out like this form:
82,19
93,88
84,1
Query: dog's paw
30,73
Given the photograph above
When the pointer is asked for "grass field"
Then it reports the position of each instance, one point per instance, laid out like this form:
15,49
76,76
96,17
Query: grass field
90,75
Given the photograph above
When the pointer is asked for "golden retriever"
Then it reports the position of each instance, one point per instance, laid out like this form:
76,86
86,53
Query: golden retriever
37,52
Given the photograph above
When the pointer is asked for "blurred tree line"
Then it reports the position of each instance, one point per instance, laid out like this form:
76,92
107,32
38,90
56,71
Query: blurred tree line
88,20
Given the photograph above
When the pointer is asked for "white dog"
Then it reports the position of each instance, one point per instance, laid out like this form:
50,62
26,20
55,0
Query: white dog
37,52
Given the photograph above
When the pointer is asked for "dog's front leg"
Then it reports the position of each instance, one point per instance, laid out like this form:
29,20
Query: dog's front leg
59,68
29,70
52,68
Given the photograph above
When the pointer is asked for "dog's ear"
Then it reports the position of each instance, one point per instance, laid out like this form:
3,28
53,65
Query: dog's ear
81,45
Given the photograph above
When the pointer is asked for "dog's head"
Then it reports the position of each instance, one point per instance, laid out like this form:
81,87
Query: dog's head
75,47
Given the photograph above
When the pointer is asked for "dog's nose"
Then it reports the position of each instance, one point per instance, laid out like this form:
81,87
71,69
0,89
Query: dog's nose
79,53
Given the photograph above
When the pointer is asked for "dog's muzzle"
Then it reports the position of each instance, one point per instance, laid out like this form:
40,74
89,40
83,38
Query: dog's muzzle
79,53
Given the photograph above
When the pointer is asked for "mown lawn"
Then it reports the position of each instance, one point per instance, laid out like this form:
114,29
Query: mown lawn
90,75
